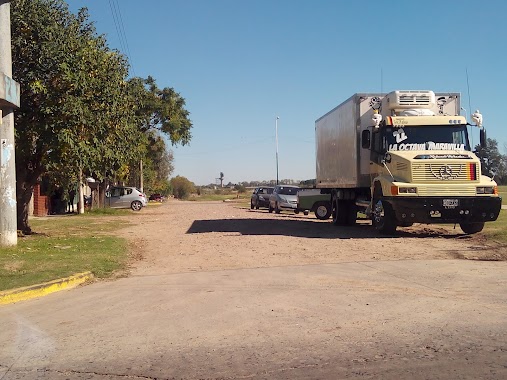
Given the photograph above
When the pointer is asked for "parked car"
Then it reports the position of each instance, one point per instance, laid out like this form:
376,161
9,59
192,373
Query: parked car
260,197
284,197
126,197
157,197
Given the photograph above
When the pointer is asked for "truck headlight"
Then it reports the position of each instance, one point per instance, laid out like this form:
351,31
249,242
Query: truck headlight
487,190
407,190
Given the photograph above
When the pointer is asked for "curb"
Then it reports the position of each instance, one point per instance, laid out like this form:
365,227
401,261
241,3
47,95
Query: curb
39,290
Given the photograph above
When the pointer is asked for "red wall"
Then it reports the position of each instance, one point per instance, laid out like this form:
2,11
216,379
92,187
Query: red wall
40,202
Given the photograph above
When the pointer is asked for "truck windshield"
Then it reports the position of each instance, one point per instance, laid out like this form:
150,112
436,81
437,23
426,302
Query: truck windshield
425,137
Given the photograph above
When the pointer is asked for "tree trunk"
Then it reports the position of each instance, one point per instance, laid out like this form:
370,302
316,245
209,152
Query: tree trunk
25,183
81,207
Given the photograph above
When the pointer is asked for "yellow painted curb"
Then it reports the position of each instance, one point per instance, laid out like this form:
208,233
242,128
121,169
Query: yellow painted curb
29,292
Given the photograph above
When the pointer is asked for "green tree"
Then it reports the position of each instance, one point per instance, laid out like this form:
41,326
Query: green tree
74,113
157,165
182,187
492,161
159,113
240,188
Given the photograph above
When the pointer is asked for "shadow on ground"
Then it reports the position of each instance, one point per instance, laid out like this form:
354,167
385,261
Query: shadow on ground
287,226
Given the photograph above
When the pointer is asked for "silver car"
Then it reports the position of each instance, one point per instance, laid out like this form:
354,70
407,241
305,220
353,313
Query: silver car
125,197
284,197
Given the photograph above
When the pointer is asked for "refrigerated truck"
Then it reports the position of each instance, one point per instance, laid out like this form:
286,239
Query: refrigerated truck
402,158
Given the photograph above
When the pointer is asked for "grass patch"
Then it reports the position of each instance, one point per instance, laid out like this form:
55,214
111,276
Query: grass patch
63,246
502,191
497,230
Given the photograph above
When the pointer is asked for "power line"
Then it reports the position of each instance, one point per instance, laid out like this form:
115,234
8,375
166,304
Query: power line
120,30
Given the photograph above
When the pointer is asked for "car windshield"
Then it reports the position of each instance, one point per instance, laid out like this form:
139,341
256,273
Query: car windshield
288,190
426,137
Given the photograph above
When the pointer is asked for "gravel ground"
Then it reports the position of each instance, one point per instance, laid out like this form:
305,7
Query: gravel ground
180,236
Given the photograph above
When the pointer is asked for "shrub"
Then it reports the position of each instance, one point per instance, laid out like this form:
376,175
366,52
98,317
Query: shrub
182,187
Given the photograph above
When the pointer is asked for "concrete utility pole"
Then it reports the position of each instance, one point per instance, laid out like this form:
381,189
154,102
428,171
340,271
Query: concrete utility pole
9,99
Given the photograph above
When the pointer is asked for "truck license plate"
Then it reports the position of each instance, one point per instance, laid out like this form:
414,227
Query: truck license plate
450,203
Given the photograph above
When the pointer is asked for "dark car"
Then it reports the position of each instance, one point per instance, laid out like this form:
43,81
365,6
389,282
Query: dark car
157,197
260,197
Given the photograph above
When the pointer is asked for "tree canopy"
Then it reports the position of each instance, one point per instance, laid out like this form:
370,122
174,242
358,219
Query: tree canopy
493,163
79,111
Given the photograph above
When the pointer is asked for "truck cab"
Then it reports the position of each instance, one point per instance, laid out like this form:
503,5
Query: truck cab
425,169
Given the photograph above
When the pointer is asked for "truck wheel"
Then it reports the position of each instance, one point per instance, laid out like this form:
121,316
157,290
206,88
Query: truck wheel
351,213
339,212
472,228
384,219
323,210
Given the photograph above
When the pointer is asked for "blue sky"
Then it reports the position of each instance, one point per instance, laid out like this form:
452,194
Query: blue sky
241,63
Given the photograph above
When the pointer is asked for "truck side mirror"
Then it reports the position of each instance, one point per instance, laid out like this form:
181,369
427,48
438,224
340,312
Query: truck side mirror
366,139
482,134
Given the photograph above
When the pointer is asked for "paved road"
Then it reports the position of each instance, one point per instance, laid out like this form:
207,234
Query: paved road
436,319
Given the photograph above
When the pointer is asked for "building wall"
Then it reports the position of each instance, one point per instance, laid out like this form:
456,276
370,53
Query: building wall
40,202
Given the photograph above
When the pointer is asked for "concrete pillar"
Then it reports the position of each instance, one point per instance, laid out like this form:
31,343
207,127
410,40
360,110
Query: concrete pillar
9,99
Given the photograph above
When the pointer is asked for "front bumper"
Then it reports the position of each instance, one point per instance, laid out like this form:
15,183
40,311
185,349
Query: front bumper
457,210
287,206
263,202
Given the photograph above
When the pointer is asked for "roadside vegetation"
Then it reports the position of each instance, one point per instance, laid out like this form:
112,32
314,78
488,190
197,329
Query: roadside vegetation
496,230
64,246
502,191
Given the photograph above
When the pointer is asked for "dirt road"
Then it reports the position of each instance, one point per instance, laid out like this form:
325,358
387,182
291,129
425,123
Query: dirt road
221,292
203,236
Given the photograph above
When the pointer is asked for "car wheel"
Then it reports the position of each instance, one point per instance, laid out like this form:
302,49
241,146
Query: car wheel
323,211
136,205
277,210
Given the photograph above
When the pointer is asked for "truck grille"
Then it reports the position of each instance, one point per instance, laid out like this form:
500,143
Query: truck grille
450,190
445,172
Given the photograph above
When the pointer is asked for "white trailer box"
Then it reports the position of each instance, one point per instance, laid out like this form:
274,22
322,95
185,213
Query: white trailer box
341,162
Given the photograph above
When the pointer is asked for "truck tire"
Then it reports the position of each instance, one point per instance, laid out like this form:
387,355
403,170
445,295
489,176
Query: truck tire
472,228
323,210
339,212
383,218
351,213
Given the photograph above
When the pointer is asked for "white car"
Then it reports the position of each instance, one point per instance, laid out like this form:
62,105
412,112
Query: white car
284,197
126,197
